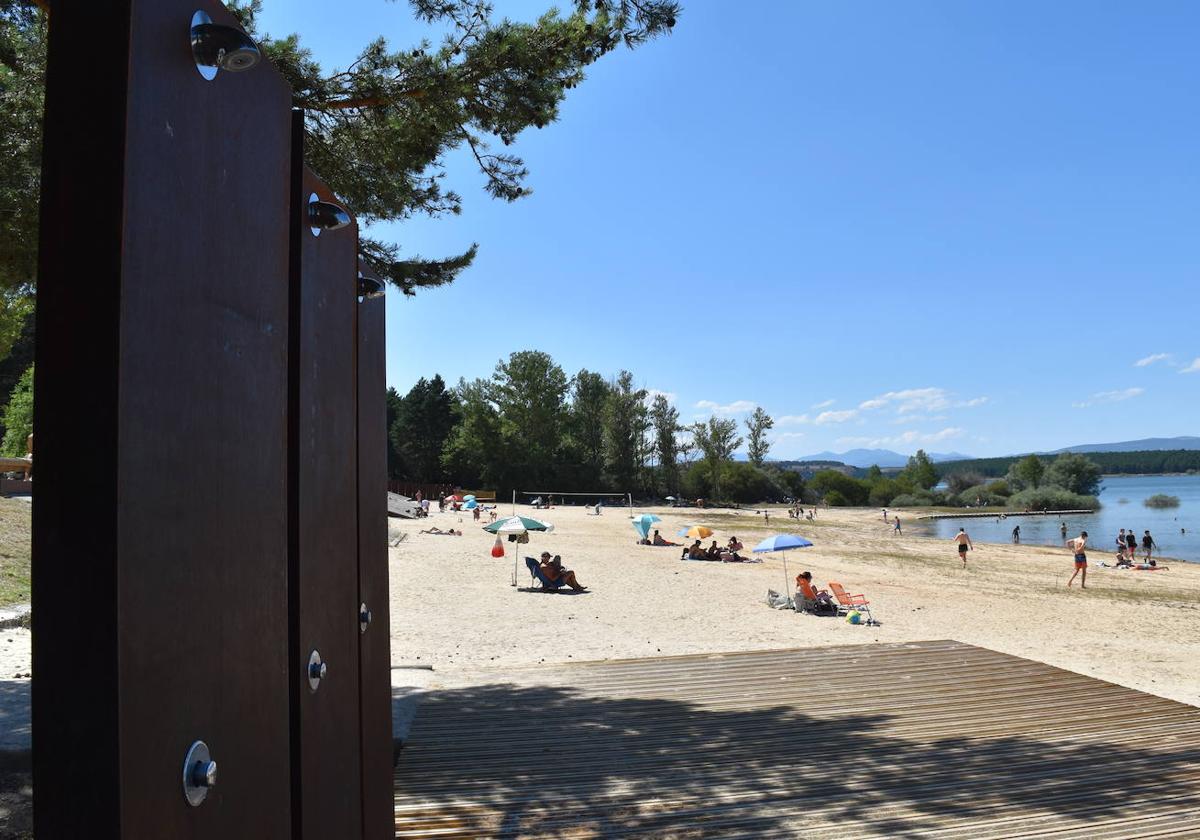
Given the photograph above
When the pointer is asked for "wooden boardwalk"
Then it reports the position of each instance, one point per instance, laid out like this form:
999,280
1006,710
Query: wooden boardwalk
935,739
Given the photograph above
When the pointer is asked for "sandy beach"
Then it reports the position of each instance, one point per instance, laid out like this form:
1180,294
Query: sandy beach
453,607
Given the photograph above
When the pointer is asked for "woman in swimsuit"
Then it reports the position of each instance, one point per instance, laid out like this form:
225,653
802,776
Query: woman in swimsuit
1079,547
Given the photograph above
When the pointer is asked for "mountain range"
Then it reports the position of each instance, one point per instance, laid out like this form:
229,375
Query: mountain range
1143,445
864,458
882,457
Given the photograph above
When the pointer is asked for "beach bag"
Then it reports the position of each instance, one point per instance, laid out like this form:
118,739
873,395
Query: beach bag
498,548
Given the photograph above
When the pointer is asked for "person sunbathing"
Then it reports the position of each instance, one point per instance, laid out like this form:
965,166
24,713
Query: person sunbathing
440,533
810,592
658,540
552,568
731,551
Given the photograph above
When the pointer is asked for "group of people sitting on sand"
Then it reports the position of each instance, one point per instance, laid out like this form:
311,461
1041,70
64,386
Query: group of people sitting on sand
726,554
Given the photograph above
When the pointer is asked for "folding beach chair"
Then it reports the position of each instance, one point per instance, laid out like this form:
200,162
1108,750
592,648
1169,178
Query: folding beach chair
848,602
535,571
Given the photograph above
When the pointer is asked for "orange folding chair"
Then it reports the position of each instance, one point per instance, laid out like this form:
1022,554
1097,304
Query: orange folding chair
847,602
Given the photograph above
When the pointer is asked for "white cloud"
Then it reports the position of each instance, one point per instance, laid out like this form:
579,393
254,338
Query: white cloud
1152,358
788,435
825,404
919,401
909,438
792,420
1105,397
1194,367
651,393
836,416
735,407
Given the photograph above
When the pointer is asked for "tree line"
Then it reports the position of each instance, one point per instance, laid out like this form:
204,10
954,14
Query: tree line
531,426
1149,462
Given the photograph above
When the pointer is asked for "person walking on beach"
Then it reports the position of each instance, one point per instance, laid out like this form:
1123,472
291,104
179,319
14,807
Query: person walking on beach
1131,545
896,526
885,514
1016,535
964,545
1121,545
1148,545
1078,547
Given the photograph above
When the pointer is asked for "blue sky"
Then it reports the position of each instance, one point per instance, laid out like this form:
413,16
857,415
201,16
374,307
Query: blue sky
957,226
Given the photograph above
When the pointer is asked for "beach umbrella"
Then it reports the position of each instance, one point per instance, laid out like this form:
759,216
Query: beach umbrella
699,532
642,523
468,498
517,525
784,543
471,504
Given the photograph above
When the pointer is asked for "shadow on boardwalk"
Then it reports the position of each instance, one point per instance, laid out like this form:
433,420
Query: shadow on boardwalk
506,760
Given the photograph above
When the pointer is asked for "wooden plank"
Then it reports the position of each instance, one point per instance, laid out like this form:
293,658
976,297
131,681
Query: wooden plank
880,740
324,526
374,642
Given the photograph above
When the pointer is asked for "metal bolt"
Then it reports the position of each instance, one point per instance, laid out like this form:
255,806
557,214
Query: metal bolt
316,671
204,774
364,618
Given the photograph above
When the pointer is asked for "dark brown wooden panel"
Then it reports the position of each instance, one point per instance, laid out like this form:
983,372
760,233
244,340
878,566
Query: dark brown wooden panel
374,643
203,405
174,587
77,792
326,759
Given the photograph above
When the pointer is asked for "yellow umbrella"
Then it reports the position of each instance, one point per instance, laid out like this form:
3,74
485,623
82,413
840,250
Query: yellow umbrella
697,532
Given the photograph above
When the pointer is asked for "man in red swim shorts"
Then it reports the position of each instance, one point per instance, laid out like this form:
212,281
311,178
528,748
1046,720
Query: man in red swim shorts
1079,547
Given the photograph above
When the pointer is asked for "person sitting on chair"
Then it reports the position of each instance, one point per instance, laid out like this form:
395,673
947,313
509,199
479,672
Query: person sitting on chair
658,540
553,569
810,593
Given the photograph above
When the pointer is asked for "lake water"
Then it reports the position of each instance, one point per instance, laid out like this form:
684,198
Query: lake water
1122,497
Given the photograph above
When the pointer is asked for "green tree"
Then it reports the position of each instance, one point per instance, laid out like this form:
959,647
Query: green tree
848,490
18,416
379,130
757,426
718,440
395,463
921,471
424,418
22,82
530,394
665,419
1029,471
473,454
1073,473
589,399
623,430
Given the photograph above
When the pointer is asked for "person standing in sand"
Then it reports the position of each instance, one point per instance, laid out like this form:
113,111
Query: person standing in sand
1148,546
964,545
1078,547
896,525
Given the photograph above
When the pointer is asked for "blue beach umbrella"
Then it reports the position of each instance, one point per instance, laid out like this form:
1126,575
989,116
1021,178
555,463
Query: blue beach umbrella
642,524
783,542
